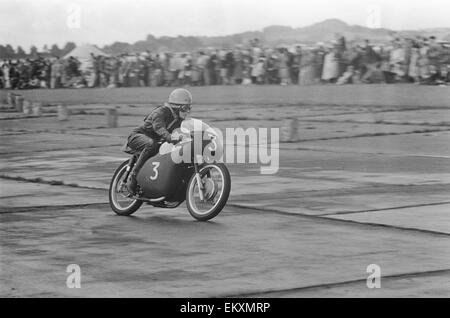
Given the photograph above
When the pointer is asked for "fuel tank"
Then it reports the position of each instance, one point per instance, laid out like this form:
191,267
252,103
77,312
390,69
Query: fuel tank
161,176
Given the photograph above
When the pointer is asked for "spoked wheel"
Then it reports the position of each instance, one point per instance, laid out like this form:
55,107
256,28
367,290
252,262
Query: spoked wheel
216,183
119,197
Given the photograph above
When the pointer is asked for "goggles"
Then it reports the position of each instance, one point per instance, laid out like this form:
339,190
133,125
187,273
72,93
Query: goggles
185,108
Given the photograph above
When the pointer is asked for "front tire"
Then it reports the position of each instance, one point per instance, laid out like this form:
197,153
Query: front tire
216,192
118,192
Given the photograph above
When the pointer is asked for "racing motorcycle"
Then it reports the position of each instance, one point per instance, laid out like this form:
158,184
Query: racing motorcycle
186,170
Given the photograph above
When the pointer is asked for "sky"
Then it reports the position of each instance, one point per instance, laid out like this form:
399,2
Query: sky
101,22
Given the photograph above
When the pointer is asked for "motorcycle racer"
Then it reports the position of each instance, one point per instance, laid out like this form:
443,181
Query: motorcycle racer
158,126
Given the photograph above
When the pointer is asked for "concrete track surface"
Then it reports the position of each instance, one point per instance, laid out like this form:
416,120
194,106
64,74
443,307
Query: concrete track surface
368,182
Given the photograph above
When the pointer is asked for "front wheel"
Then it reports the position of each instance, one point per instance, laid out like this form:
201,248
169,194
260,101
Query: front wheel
119,197
216,183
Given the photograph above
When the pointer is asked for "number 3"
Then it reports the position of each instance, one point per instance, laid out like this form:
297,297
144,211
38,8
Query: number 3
155,169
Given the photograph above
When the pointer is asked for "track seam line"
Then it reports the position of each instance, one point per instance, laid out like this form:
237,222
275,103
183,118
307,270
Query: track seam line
71,131
443,124
332,220
306,148
32,209
50,182
384,209
63,149
297,289
370,135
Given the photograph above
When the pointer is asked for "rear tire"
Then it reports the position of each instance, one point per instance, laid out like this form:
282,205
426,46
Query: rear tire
114,193
223,196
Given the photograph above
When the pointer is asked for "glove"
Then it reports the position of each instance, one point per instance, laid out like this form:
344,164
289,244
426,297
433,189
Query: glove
175,138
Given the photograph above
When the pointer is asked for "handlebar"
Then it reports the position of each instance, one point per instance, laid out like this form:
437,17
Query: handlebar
175,140
180,138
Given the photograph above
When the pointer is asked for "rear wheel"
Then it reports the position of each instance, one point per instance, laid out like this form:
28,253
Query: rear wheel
217,184
119,197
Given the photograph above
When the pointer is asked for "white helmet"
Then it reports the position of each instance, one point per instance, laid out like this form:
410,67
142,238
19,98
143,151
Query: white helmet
180,96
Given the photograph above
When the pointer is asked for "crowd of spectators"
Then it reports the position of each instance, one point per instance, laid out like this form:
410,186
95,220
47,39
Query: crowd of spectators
414,60
40,72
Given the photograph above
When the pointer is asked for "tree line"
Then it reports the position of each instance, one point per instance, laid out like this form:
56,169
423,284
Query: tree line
8,52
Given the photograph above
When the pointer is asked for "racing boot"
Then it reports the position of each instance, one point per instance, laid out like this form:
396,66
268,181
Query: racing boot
132,184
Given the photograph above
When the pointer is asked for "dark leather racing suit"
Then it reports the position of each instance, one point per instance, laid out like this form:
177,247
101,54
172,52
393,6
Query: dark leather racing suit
157,126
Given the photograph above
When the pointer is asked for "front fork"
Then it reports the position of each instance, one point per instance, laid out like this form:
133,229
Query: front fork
130,167
201,186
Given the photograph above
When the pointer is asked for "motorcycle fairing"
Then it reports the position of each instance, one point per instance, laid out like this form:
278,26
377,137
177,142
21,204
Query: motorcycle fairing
159,177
